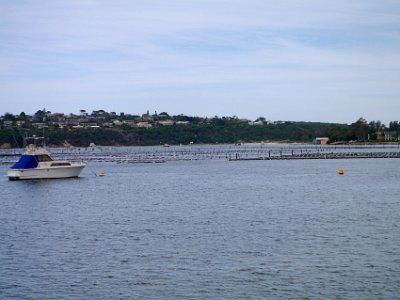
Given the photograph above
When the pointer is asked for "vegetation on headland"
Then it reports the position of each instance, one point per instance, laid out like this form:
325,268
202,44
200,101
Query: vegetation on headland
110,129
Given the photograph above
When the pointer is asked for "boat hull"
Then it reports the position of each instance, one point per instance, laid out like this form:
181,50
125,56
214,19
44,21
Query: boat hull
46,173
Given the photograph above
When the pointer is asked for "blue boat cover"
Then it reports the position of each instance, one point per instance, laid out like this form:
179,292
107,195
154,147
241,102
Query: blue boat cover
26,162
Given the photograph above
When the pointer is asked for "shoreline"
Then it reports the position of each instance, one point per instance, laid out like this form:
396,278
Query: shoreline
67,145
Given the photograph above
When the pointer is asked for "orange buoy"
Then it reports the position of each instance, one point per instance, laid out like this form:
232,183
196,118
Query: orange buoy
340,172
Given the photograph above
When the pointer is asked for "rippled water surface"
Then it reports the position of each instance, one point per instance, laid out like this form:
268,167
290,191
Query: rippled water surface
208,229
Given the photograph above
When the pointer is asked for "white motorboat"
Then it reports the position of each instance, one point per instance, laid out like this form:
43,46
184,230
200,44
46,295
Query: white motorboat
36,163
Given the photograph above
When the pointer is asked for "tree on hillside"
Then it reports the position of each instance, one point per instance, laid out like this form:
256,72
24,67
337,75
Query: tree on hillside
394,126
375,126
22,116
9,117
360,129
40,115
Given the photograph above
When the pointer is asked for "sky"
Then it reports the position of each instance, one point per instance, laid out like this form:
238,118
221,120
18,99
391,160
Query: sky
309,60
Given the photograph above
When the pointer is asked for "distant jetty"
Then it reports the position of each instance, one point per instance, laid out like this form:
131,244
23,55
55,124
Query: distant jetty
319,155
230,152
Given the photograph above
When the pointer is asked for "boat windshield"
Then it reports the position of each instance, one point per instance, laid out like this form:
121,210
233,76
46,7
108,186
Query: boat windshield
43,158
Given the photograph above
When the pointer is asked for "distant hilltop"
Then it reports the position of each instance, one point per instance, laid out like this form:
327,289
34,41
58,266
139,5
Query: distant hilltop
111,129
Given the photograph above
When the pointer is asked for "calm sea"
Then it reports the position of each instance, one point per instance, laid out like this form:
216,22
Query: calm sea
206,229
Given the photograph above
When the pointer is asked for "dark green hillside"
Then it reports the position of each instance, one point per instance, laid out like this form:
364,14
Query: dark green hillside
104,129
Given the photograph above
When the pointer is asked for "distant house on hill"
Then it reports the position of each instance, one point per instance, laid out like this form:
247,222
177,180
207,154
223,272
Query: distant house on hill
320,141
256,123
88,124
390,136
8,124
144,125
117,122
72,122
19,123
182,122
380,136
130,123
40,125
166,123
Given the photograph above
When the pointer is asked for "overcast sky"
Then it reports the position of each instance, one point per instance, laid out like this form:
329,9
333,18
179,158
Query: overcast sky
309,60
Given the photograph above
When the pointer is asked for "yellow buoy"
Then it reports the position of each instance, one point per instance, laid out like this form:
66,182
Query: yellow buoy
340,172
102,174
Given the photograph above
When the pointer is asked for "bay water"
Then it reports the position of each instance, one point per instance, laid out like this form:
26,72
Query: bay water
205,229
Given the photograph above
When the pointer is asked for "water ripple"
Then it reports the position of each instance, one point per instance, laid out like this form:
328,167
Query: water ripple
205,230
